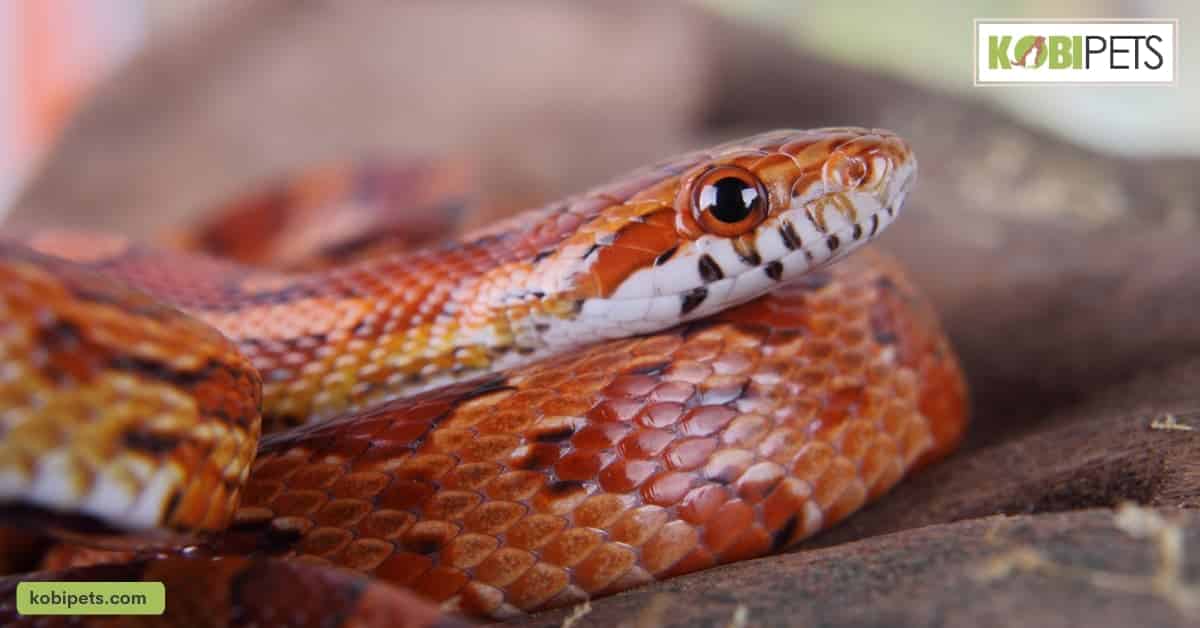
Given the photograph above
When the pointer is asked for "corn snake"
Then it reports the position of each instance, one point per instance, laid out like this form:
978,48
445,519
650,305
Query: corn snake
657,376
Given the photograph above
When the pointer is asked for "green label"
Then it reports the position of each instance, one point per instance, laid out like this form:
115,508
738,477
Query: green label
91,598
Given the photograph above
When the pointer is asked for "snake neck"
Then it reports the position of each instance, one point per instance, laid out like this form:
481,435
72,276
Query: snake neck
662,246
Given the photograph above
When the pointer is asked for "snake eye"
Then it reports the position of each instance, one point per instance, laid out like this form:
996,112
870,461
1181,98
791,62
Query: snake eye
728,201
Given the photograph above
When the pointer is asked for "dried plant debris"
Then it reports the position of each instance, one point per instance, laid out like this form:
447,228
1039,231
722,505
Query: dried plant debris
1167,582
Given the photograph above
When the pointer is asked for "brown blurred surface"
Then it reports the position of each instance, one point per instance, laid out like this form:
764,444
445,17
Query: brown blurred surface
1065,277
1066,569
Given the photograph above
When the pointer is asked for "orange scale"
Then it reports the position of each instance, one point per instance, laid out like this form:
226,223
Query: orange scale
756,402
608,361
404,494
604,565
721,530
426,537
897,418
494,517
534,456
852,335
905,385
637,525
727,465
601,511
858,438
471,410
781,443
316,477
587,383
784,507
827,429
315,561
697,559
690,453
881,468
552,379
342,513
831,484
480,600
661,193
403,568
631,386
622,476
515,485
645,364
559,497
425,467
915,440
812,461
440,583
571,546
503,566
566,405
688,371
385,524
706,420
445,439
579,466
702,503
673,392
383,455
700,350
669,545
644,444
527,398
298,503
537,585
324,541
723,389
667,489
751,542
366,554
617,410
659,346
450,504
278,467
361,485
661,414
471,475
599,436
534,531
489,448
468,550
733,363
846,393
259,491
814,378
746,431
849,500
758,481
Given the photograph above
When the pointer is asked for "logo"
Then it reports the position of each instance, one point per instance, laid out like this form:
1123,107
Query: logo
1088,51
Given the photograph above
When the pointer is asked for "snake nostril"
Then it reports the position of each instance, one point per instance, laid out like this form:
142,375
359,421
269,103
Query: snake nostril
845,172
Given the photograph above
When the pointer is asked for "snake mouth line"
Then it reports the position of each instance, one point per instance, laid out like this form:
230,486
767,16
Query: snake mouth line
691,287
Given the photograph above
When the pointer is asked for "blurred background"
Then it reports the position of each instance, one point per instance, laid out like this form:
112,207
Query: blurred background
923,41
53,51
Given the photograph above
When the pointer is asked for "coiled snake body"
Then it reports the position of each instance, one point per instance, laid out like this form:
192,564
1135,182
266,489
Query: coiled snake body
660,375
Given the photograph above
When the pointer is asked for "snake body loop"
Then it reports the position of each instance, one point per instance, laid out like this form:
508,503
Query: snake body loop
659,375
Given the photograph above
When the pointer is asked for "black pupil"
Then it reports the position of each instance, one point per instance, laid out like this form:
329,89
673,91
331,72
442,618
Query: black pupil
730,199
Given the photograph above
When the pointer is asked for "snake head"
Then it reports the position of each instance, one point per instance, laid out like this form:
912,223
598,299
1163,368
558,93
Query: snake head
712,229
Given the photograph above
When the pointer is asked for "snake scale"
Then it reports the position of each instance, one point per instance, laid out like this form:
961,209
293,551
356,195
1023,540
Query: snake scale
657,376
